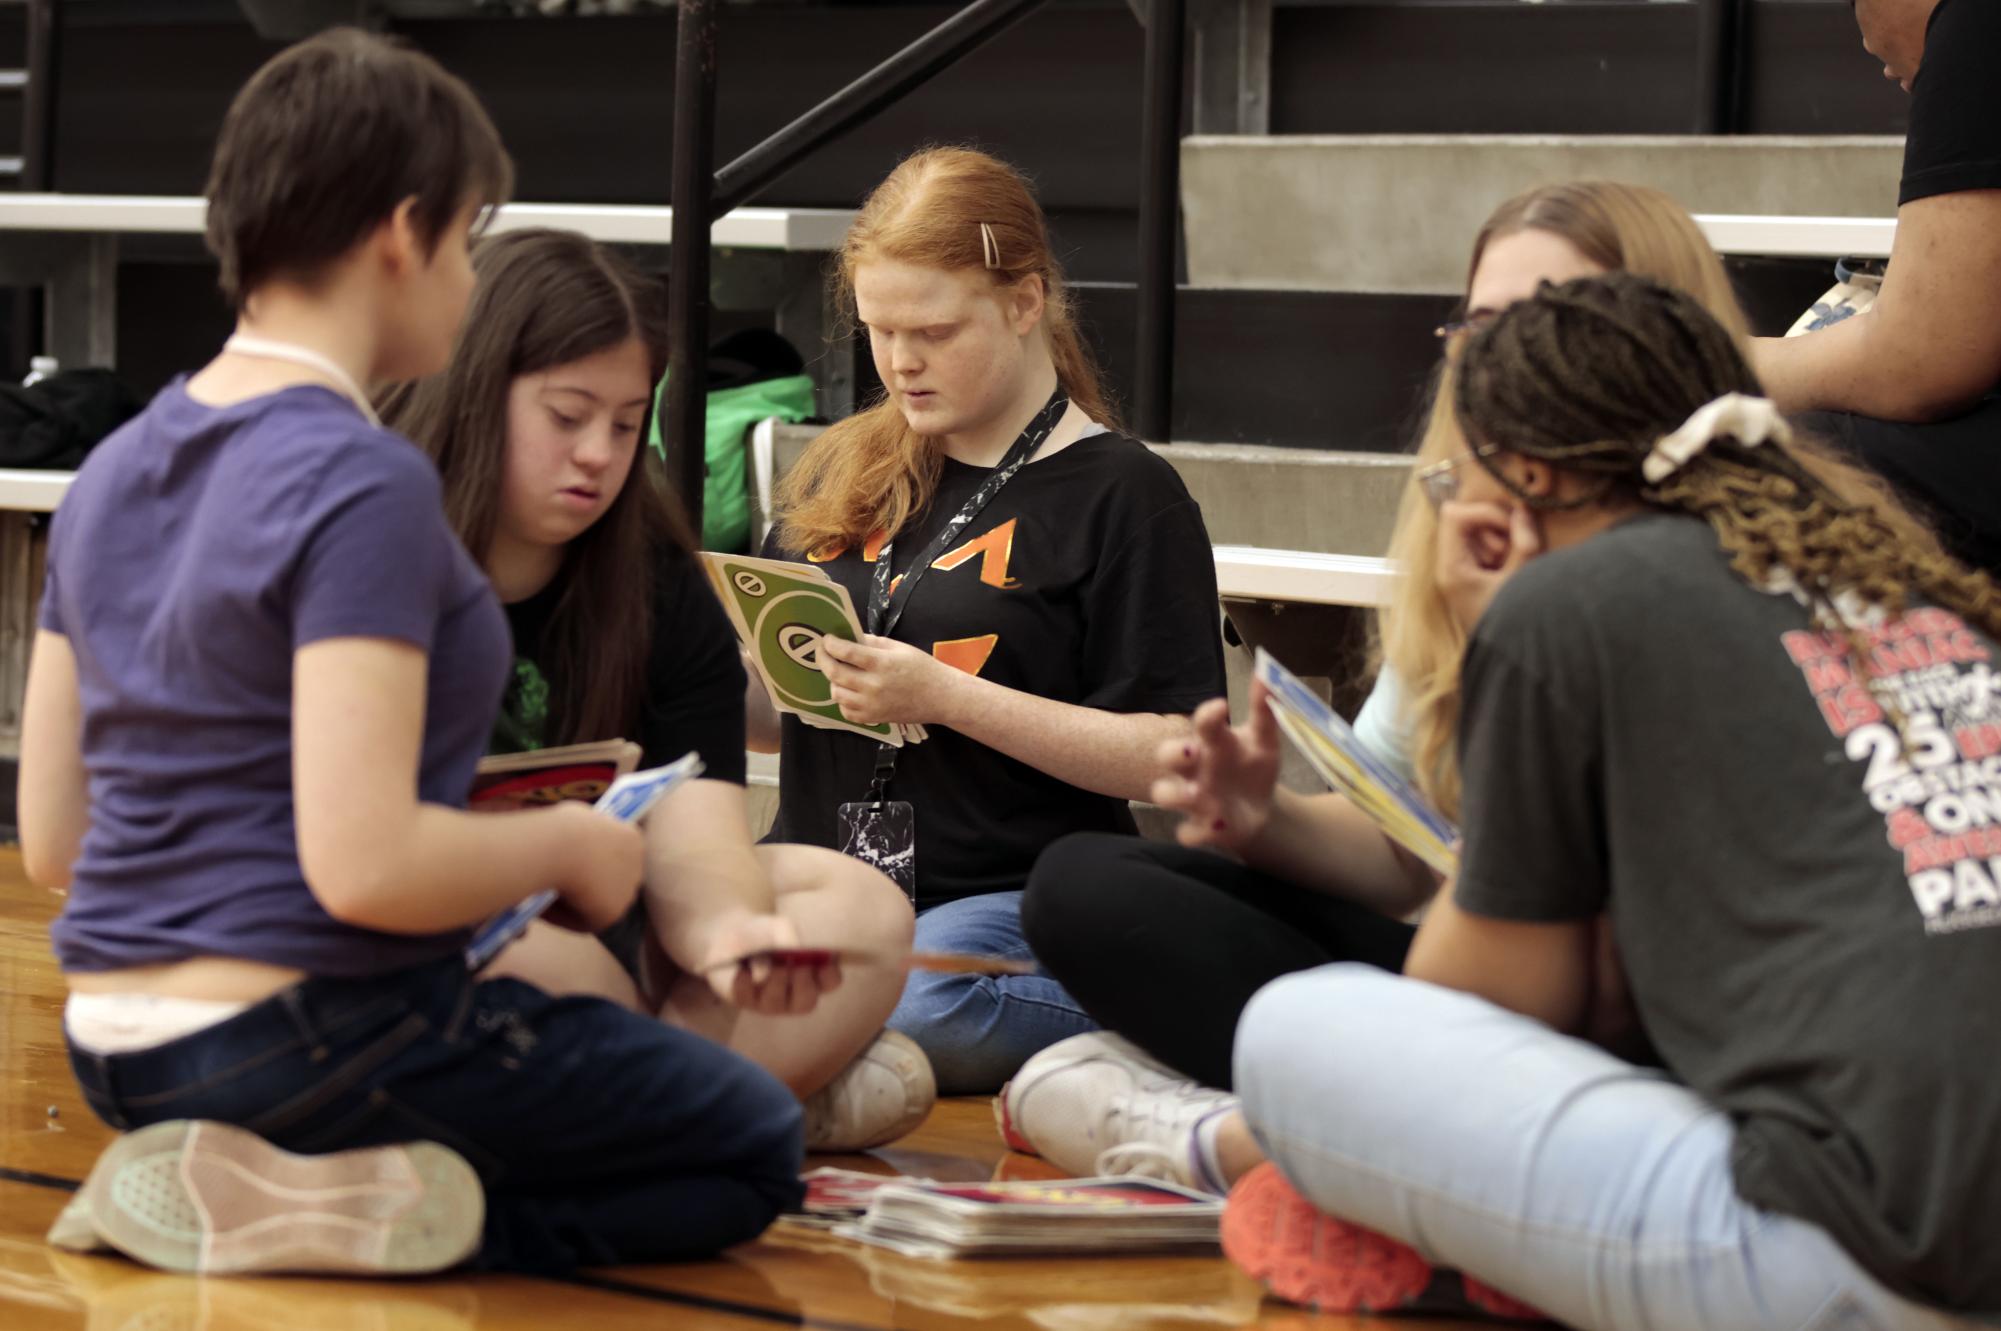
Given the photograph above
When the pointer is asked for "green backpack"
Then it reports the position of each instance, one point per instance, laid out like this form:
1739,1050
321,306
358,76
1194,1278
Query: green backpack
731,413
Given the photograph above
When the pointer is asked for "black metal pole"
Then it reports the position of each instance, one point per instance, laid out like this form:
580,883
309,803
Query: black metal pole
967,30
1723,35
684,428
1159,219
38,107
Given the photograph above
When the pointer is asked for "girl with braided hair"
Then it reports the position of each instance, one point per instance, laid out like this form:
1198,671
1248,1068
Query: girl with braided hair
1719,693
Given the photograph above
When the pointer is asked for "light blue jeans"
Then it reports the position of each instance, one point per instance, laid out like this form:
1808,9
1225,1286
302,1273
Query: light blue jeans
1599,1192
978,1030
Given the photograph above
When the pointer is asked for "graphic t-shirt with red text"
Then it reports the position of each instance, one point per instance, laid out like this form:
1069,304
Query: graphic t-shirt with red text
1805,902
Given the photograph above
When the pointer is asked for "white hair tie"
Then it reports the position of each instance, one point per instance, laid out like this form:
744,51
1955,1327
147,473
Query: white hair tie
1751,421
989,246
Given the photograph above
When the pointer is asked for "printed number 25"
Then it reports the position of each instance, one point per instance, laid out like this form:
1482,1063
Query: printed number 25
1885,750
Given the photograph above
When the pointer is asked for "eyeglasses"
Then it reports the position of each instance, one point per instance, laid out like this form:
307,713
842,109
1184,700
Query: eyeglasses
1440,480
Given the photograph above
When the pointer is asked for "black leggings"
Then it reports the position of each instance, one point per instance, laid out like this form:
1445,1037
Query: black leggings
1165,945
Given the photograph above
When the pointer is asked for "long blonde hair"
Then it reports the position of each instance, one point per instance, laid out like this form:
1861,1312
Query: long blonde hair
1618,227
872,473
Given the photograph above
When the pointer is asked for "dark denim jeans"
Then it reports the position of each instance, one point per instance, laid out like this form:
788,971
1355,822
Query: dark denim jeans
602,1136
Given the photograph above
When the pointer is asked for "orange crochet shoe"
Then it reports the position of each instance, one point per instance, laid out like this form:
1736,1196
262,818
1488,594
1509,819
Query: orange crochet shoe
1309,1258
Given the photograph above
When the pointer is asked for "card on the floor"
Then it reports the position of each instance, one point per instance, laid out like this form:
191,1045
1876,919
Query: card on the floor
927,1219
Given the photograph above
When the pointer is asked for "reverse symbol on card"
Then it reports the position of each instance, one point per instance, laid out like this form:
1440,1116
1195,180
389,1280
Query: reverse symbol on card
749,583
801,643
787,633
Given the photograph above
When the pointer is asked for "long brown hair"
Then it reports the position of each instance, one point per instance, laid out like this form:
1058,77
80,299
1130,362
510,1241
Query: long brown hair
1590,375
546,298
1618,227
871,473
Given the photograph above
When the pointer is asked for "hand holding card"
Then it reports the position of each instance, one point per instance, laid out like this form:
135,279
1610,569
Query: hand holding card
630,798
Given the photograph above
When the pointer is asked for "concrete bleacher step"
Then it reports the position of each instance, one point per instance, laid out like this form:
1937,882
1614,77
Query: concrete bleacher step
1322,500
1397,212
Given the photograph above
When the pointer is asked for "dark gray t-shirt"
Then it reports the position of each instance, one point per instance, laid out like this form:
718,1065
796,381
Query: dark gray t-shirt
1810,924
199,548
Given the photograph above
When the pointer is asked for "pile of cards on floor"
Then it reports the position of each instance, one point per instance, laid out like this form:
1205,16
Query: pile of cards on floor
926,1218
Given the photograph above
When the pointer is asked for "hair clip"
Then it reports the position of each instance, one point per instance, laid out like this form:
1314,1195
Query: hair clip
989,246
1751,421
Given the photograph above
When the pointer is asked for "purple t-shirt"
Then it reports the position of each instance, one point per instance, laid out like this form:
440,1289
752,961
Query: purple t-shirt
199,548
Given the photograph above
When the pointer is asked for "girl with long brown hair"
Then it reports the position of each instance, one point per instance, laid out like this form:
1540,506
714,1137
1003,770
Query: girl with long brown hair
1717,697
535,427
1039,591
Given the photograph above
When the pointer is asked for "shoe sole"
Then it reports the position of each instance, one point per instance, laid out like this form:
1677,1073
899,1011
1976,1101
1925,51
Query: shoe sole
208,1197
1304,1256
1004,1123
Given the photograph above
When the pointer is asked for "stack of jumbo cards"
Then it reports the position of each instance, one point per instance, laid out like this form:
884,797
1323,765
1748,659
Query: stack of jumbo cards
1345,763
921,1218
629,799
781,611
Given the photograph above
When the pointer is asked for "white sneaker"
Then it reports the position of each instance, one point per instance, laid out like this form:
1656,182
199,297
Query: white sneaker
884,1093
1097,1104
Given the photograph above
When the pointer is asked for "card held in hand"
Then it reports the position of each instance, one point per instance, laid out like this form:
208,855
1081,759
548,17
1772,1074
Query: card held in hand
630,799
781,611
1340,758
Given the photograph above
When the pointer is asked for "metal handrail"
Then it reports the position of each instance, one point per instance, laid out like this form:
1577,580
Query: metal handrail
701,194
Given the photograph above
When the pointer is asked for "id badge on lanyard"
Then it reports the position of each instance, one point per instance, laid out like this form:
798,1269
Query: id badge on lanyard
878,830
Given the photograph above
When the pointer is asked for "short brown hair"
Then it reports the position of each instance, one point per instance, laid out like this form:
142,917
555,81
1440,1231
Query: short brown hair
544,298
327,140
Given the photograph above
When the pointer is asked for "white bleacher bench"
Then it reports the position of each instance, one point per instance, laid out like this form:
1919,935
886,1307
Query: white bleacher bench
1800,237
798,229
70,242
1255,573
23,491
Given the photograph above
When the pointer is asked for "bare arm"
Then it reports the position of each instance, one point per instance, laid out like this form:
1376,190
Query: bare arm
1111,753
377,857
709,901
1930,347
53,797
1223,781
1539,970
1326,844
701,867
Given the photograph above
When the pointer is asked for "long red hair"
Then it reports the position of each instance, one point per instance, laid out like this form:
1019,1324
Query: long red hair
871,473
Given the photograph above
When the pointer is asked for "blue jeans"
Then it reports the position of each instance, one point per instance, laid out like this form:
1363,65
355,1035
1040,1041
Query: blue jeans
978,1030
601,1136
1599,1192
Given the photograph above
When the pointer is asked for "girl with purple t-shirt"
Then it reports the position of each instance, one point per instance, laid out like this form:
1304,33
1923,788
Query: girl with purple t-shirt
265,671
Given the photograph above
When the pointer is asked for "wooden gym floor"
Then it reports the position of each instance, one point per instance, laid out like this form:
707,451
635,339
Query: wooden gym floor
48,1140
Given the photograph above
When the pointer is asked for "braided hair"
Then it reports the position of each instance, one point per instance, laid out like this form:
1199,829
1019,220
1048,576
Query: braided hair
1590,375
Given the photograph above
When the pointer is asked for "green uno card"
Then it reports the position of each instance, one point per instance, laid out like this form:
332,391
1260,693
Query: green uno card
782,611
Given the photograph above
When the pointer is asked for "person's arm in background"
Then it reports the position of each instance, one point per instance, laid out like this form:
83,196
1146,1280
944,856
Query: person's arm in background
1223,783
1930,346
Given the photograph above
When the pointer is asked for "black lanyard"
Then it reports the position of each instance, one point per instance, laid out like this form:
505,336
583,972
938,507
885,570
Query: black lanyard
888,597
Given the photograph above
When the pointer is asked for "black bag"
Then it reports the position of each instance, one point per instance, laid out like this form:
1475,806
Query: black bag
52,423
